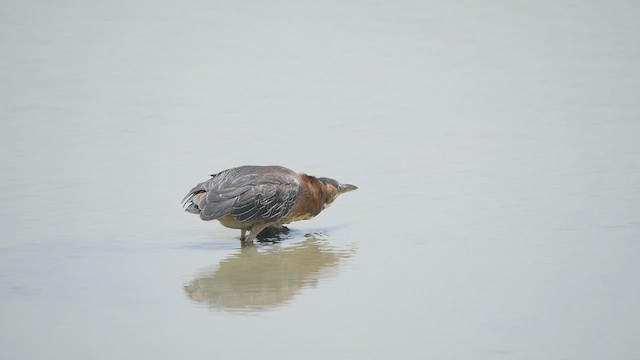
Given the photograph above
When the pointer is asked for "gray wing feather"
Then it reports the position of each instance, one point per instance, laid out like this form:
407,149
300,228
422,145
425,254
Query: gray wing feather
249,193
214,210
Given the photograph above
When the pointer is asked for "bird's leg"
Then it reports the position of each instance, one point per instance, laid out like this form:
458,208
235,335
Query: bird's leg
243,232
255,230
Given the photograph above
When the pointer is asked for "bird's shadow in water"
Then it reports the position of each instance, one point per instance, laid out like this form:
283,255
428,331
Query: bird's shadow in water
259,278
269,236
274,235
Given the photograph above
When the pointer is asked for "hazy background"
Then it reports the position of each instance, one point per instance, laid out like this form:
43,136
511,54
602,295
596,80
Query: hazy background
495,145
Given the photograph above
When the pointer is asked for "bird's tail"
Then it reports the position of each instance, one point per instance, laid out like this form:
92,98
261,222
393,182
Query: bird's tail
192,199
192,208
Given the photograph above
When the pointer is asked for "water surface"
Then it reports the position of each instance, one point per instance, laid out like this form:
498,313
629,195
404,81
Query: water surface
495,147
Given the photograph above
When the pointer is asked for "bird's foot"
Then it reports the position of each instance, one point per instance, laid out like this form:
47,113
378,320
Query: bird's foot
247,243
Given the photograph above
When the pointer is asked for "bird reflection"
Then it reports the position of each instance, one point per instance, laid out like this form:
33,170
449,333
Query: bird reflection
258,279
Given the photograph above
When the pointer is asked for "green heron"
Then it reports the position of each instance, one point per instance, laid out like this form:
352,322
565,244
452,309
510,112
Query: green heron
256,197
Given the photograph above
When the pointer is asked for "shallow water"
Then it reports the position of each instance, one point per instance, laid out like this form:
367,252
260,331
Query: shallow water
495,147
258,279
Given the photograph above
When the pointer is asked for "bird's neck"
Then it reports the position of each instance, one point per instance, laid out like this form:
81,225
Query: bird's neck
314,195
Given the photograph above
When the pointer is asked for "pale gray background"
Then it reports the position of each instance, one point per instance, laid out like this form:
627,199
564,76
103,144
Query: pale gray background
495,144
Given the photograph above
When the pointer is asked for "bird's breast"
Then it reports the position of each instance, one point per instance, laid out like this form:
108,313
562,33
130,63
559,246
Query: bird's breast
297,217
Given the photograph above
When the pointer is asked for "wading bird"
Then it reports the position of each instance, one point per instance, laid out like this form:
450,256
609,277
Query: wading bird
256,197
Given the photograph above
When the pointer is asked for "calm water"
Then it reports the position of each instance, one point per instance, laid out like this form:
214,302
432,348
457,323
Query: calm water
495,147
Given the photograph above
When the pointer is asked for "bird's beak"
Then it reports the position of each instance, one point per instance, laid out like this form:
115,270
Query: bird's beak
346,188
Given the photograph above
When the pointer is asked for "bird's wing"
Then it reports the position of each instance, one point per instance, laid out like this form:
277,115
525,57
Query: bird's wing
265,203
248,193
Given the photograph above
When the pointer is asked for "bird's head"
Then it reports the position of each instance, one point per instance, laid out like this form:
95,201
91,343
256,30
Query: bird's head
333,189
